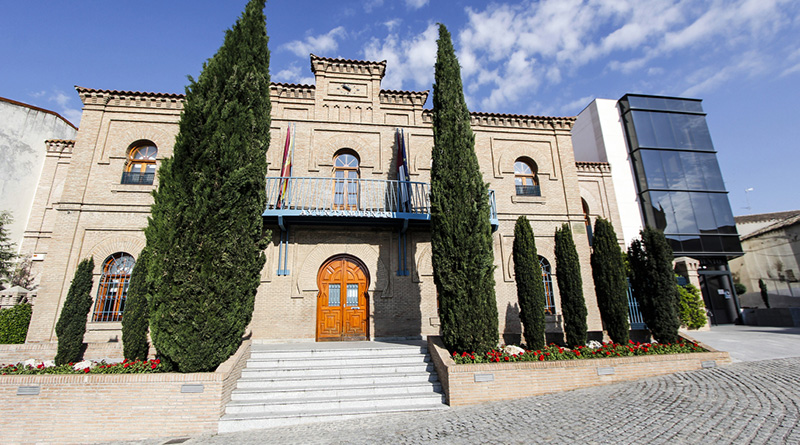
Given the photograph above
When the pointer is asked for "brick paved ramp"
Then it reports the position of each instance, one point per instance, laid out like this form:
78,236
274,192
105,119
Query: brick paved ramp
752,402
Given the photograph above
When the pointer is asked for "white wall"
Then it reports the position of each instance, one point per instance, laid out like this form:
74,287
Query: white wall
23,130
598,137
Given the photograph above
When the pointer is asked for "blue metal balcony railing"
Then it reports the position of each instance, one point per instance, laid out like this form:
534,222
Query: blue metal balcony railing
138,178
528,190
370,198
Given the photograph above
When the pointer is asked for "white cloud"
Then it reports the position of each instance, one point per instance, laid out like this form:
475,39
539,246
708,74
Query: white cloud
64,104
293,74
416,4
321,44
574,107
559,37
371,5
391,24
411,60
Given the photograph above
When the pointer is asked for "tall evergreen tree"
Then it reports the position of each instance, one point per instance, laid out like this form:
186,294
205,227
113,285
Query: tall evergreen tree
762,287
205,235
530,287
72,322
461,235
136,320
570,286
654,287
610,285
7,250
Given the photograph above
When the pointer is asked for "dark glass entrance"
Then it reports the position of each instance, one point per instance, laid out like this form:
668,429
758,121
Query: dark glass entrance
719,296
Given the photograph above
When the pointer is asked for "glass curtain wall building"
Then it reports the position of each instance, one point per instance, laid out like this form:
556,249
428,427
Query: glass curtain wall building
681,191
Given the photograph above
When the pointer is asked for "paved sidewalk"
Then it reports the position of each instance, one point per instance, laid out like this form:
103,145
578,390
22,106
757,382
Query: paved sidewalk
756,400
743,403
749,343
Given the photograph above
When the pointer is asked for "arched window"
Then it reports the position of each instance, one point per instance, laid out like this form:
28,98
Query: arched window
141,165
547,279
345,187
113,287
587,220
525,177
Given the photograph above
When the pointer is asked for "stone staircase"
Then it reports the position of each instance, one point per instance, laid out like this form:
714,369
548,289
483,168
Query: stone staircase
298,383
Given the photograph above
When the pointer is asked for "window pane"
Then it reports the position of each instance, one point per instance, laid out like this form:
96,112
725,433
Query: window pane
684,212
711,172
673,170
653,169
722,212
662,126
704,213
352,295
693,170
334,294
711,243
659,205
731,244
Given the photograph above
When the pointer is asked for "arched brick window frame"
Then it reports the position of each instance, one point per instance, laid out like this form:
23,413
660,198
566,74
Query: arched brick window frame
526,178
113,288
140,167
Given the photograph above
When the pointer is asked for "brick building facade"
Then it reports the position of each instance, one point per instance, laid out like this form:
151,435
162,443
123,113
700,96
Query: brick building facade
95,195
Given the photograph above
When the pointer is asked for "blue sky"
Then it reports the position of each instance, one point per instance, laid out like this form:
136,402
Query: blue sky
549,57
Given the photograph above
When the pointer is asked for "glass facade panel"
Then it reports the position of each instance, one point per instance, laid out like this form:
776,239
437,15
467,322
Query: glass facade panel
722,213
674,170
334,294
352,295
664,103
652,171
684,212
670,130
711,173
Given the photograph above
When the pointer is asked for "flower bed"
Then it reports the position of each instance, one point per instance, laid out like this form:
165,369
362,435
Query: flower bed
492,377
553,352
30,367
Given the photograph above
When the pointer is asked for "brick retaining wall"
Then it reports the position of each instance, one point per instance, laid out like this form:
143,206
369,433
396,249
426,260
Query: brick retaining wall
488,382
107,407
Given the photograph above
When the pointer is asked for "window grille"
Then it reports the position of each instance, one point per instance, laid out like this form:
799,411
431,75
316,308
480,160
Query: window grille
113,288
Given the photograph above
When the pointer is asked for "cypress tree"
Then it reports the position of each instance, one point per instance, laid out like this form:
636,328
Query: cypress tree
610,285
205,235
136,321
7,250
72,322
570,286
461,235
530,288
654,286
762,287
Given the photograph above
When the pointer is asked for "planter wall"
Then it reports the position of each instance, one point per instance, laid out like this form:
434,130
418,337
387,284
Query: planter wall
778,317
488,382
116,407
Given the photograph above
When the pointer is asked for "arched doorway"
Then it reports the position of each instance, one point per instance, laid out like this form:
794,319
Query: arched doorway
342,303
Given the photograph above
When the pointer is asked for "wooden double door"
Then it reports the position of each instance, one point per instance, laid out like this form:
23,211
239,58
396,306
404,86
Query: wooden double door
342,303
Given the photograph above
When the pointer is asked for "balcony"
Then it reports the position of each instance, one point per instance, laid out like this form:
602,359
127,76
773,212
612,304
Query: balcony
138,178
528,190
352,201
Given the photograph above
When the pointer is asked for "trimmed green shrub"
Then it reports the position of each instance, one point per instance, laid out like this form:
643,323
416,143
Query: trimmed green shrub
570,286
610,284
692,308
461,234
740,288
136,319
205,237
72,322
14,323
762,286
530,288
654,287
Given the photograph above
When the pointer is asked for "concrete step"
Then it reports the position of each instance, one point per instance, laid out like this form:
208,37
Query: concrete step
365,351
349,370
244,422
327,361
305,393
337,381
356,402
292,384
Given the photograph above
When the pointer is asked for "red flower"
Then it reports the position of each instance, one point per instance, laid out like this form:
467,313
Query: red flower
153,366
541,358
507,359
125,365
578,353
86,370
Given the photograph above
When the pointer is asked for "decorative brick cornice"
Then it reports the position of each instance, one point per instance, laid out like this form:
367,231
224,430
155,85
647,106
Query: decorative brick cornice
479,118
292,90
593,167
403,97
349,66
91,96
59,145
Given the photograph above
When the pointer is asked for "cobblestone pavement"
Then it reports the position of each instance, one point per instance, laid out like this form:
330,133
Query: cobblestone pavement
749,402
